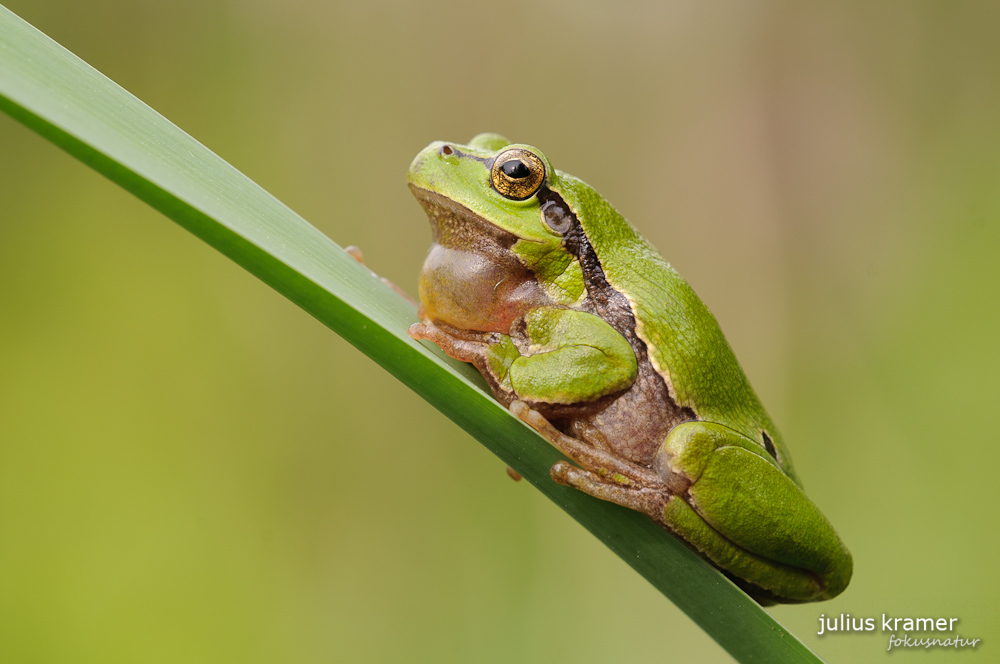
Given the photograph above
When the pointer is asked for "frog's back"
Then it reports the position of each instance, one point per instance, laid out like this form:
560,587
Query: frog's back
683,339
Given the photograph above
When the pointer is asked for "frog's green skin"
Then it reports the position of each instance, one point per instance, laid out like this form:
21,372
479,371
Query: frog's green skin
588,334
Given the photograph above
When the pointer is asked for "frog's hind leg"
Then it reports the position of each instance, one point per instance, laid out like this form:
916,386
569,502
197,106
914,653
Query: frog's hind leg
641,499
598,462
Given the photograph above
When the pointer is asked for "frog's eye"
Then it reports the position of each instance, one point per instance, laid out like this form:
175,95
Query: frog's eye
517,174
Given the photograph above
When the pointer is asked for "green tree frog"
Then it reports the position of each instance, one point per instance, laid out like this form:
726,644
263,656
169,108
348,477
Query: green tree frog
588,335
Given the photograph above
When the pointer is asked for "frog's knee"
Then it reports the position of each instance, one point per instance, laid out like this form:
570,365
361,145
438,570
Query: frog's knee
688,450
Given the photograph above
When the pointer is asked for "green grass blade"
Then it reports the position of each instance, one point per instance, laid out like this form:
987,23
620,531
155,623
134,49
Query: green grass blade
74,106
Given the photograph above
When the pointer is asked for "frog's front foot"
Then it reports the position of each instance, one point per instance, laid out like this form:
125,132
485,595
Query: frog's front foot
464,350
354,252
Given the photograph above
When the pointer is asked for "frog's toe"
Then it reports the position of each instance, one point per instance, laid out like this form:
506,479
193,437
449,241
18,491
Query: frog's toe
355,252
420,331
613,489
532,418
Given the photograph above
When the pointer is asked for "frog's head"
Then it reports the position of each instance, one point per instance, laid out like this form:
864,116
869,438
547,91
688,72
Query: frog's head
498,233
496,182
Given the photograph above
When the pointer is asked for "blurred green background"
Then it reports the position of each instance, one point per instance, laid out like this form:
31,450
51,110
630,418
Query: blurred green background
192,469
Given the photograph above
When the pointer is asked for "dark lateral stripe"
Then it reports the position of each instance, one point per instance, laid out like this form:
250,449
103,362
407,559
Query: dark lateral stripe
609,303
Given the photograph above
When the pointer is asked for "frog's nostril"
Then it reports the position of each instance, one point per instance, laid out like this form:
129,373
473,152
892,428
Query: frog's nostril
445,150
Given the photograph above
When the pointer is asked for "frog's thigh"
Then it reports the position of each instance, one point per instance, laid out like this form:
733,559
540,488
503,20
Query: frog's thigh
780,580
747,516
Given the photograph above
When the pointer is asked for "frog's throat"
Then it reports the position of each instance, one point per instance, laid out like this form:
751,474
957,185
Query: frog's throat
471,279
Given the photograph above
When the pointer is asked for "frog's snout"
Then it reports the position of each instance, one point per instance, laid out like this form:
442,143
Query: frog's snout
426,157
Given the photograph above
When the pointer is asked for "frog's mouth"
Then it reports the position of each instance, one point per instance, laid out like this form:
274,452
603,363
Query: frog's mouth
471,280
458,227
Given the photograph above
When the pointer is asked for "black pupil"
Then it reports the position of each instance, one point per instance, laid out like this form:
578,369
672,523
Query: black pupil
515,169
